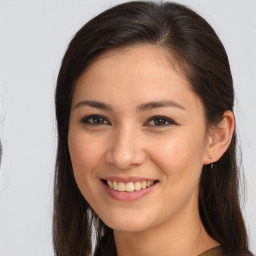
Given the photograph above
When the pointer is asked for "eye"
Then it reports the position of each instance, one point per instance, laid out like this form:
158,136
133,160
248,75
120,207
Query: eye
159,121
94,120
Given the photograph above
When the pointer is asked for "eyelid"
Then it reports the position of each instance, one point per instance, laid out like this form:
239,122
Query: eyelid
85,119
167,119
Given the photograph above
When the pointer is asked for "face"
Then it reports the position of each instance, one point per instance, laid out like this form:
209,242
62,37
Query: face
137,139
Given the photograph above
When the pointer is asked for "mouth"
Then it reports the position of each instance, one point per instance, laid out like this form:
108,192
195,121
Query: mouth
129,186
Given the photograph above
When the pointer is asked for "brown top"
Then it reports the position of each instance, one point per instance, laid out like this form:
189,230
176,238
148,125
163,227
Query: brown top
217,251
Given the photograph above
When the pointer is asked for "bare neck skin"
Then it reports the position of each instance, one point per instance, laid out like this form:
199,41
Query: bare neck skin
184,235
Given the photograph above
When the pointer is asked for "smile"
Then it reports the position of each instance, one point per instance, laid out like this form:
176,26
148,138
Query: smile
129,186
128,189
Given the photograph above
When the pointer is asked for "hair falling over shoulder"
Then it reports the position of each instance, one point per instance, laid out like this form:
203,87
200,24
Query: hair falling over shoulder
201,56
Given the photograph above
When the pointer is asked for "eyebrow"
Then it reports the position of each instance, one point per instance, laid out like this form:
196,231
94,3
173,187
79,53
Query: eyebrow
140,108
158,104
94,104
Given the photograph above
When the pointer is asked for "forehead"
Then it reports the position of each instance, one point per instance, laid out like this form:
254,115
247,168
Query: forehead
135,74
142,55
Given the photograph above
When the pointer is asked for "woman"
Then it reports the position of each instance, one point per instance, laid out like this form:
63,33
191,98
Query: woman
146,161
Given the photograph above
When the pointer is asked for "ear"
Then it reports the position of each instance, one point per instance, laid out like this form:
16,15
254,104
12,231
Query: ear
219,138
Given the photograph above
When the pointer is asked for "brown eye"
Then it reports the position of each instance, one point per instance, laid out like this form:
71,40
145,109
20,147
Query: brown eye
160,121
94,120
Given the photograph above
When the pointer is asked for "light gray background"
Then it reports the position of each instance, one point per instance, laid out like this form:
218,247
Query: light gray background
33,37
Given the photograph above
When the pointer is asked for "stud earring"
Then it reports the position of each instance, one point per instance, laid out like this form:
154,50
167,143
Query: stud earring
211,157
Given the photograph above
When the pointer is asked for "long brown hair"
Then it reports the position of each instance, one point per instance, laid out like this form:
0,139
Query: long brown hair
201,56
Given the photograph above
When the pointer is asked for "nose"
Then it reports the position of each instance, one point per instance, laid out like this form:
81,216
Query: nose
126,149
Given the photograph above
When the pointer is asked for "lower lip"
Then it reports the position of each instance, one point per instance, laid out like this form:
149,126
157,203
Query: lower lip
128,196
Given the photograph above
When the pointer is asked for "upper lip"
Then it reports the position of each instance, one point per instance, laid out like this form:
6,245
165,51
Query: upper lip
127,179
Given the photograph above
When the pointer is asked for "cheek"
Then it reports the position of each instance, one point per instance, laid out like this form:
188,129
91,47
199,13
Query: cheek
86,156
180,161
84,153
180,158
176,152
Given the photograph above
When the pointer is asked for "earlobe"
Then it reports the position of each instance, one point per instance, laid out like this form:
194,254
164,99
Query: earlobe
219,138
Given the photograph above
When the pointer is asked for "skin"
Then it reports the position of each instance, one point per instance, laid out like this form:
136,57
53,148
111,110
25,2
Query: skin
129,143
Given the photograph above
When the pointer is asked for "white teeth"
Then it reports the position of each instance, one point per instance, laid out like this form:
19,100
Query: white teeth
143,184
121,186
137,185
115,185
110,184
130,186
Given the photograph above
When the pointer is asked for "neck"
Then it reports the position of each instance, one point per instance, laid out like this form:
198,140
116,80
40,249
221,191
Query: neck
184,235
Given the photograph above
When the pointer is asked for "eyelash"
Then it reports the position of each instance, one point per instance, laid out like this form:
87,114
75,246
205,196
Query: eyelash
86,119
162,118
102,120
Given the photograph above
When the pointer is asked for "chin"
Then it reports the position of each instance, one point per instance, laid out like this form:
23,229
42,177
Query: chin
126,226
128,222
